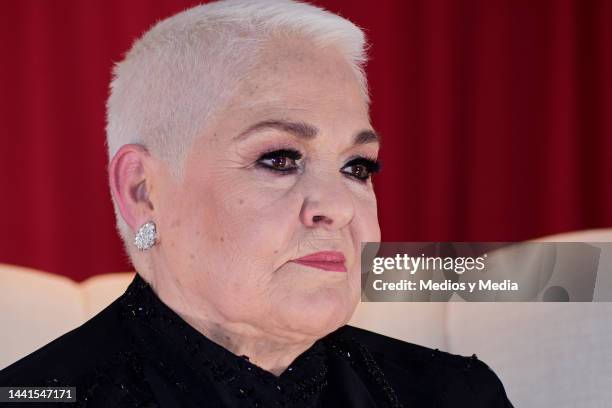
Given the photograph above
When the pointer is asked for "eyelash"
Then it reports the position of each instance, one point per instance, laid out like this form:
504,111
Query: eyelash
371,165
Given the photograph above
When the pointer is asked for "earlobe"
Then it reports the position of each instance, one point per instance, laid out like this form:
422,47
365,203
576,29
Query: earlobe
129,184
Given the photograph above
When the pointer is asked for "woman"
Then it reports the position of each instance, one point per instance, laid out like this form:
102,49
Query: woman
241,159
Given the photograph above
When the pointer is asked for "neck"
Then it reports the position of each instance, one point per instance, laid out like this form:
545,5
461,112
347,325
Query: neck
270,350
272,353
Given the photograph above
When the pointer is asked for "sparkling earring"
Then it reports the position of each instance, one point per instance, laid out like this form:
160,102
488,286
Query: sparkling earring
145,236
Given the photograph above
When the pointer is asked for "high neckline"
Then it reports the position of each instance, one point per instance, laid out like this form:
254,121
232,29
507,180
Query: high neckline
299,385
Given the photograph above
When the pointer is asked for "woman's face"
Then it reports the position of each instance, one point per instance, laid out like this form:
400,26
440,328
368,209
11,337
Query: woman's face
230,229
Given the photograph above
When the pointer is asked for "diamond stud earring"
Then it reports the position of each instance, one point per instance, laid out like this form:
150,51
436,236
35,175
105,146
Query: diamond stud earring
145,236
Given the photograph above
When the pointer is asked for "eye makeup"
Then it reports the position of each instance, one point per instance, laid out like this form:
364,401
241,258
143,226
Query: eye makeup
361,165
285,161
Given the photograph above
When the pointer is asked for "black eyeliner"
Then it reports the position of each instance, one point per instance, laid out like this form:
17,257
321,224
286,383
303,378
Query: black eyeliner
290,153
373,166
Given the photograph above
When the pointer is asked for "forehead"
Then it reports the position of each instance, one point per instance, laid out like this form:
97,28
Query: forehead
294,77
293,81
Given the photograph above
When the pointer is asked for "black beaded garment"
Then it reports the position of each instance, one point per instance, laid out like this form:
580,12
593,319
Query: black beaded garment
139,353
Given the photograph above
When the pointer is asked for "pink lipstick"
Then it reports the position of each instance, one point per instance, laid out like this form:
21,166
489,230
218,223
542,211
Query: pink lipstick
326,260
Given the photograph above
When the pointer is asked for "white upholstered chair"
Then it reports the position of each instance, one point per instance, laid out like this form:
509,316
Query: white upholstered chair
546,354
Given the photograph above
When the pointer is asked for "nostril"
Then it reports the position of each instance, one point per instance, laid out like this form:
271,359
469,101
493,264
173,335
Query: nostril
317,218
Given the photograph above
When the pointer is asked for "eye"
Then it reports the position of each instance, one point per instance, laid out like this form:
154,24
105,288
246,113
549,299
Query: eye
362,168
280,160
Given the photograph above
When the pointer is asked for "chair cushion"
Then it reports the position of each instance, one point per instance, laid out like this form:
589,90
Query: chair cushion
37,307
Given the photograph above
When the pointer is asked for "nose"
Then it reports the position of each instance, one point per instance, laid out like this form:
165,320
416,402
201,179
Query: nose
327,203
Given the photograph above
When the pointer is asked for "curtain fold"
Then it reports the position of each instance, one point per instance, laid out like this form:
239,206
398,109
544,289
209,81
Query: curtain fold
496,118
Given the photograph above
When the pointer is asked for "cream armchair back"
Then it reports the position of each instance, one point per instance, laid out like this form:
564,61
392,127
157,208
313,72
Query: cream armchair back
546,354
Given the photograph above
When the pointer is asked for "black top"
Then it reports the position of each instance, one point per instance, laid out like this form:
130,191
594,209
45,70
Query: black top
139,353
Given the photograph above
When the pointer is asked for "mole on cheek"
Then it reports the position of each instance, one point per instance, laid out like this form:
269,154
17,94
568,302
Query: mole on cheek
241,201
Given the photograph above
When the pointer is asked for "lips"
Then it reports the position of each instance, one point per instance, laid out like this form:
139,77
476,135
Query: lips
326,260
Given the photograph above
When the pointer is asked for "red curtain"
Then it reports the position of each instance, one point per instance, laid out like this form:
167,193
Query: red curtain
496,117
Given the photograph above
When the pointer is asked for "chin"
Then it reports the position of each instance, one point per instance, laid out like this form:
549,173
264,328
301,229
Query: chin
321,313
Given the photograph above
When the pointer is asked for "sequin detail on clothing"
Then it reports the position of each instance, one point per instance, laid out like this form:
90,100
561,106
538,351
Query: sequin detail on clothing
300,385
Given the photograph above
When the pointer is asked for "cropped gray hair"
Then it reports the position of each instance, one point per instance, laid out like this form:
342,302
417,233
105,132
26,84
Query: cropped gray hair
174,76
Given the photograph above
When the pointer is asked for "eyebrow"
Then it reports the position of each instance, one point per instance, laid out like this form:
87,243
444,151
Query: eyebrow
305,131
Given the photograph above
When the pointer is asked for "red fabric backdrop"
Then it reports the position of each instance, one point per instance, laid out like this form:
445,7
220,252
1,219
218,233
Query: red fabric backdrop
497,118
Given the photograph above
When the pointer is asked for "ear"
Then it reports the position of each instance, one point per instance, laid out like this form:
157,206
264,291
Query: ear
130,184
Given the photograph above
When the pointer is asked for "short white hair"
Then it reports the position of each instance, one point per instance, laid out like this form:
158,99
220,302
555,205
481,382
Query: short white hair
174,76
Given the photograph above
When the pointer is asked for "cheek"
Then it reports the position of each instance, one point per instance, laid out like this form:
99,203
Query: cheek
252,228
251,213
366,225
